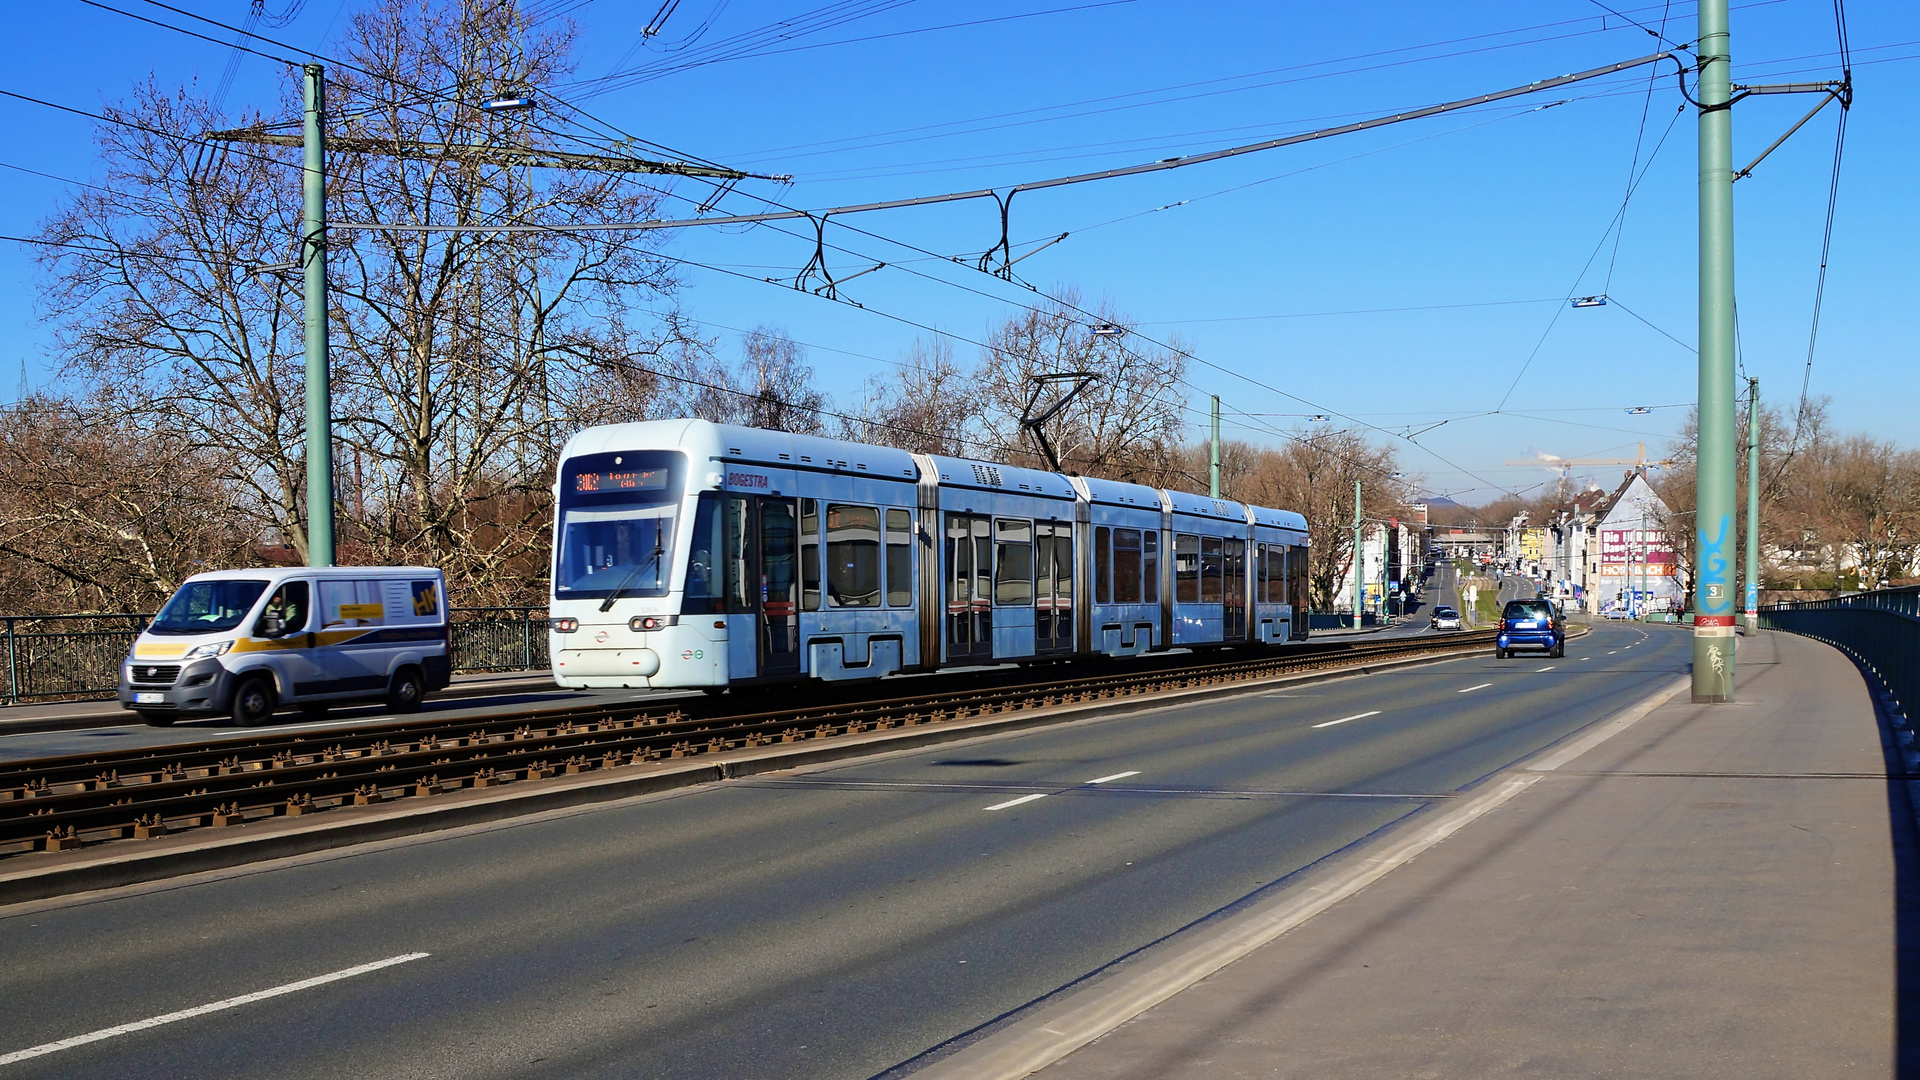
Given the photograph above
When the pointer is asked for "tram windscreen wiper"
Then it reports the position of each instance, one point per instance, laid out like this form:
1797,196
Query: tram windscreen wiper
658,550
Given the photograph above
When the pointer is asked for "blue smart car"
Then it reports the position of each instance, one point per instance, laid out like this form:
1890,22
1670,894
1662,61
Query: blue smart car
1531,624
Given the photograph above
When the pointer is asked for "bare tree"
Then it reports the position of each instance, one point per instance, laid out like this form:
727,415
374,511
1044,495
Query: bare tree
770,387
1313,474
100,513
926,405
1125,425
460,360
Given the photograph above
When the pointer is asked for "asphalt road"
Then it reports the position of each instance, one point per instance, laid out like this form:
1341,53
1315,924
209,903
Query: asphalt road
830,923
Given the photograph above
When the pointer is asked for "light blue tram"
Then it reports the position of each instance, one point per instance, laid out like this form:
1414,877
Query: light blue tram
688,553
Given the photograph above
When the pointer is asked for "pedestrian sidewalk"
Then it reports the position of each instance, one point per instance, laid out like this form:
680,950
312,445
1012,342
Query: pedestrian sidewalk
1712,891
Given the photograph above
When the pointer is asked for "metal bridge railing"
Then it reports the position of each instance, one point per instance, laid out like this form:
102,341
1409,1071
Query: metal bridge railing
51,656
1881,629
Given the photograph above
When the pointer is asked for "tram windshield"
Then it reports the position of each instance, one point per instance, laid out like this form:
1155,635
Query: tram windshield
617,514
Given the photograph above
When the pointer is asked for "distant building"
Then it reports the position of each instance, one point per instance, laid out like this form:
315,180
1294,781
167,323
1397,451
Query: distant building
1630,559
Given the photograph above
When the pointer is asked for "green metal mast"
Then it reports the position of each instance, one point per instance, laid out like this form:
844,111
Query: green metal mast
1215,488
1713,524
1358,606
1753,505
313,257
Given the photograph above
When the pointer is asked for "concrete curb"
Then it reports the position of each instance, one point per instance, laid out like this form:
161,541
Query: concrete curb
117,864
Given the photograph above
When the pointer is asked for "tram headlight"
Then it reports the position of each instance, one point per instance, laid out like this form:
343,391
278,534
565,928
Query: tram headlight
563,626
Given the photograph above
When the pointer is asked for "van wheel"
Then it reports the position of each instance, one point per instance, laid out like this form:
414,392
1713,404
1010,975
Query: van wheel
406,692
157,719
254,700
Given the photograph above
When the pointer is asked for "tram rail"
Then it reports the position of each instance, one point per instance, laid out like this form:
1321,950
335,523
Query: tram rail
61,803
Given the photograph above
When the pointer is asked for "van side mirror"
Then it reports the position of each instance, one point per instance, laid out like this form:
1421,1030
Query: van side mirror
272,625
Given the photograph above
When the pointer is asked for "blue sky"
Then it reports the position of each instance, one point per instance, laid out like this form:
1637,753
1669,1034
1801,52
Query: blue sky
1400,277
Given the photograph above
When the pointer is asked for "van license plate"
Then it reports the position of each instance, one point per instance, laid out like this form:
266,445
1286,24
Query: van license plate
149,699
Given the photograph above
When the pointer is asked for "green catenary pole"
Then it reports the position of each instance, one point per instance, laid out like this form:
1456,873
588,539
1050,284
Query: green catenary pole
313,257
1357,561
1713,525
1215,488
1753,505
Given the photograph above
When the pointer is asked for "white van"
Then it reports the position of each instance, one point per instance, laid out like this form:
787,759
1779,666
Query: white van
246,642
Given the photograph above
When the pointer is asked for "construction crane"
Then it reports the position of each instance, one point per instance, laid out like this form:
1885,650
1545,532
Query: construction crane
1566,465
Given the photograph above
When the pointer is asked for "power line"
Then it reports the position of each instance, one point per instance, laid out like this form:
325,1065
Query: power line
786,150
1826,240
1618,215
1053,182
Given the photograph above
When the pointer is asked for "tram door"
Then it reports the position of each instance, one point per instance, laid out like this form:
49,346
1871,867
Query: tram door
1233,625
778,549
1053,586
969,551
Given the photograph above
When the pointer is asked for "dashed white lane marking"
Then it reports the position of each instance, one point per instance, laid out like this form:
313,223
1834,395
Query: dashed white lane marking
1115,776
1586,658
1471,689
1549,667
1344,719
1018,801
1610,652
202,1010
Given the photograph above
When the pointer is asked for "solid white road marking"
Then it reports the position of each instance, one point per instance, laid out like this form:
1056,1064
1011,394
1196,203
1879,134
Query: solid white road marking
1344,719
1115,776
202,1010
1018,801
1471,689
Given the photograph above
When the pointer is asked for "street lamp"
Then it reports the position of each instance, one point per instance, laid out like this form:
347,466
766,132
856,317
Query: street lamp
504,103
1589,301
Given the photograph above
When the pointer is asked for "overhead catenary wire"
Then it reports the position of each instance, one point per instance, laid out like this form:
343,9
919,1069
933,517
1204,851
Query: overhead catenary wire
1614,221
1104,173
1051,182
1833,200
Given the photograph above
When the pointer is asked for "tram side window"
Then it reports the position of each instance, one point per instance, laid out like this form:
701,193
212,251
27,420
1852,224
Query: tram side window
705,575
1149,565
900,558
809,554
853,556
717,560
1210,569
1272,578
1126,566
1062,564
1013,563
1103,564
1236,572
1297,578
1186,568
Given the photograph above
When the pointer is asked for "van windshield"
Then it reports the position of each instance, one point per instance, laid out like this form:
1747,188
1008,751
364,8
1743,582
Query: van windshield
207,607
